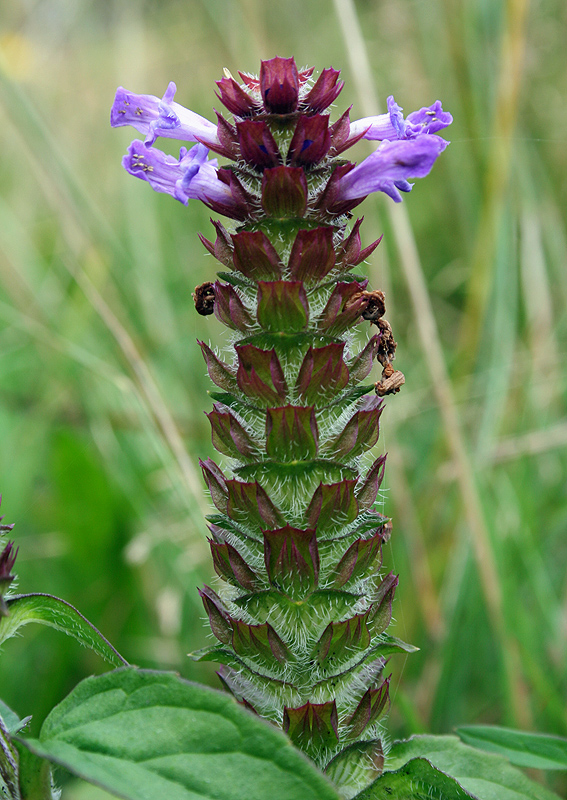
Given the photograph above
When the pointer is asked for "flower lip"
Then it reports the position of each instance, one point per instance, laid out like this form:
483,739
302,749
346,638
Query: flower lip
429,119
392,125
138,110
153,117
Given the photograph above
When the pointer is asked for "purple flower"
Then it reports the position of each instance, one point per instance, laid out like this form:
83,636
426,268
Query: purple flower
389,167
154,117
393,126
255,183
190,177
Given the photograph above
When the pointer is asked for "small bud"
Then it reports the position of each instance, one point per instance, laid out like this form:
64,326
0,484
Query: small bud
260,374
216,483
329,200
325,90
357,765
232,683
219,372
374,704
351,253
7,560
227,145
332,505
343,309
362,364
255,256
219,618
249,503
228,435
257,145
292,560
282,306
312,255
229,308
284,192
311,141
223,247
234,97
381,609
258,641
313,726
279,85
361,431
239,204
341,640
230,565
340,131
358,559
368,491
322,372
291,433
341,138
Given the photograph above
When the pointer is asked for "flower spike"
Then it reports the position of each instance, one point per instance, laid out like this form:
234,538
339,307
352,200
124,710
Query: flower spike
301,609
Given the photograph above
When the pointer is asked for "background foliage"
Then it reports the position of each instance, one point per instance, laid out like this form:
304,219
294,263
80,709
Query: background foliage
102,385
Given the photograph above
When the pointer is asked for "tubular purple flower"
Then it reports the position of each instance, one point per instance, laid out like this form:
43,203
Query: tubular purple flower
392,125
389,167
190,177
153,117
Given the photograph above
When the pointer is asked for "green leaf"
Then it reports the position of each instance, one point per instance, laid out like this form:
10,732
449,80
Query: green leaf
535,750
235,280
485,775
58,614
416,780
144,735
10,719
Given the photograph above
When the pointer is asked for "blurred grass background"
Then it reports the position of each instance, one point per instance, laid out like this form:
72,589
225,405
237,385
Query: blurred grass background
102,385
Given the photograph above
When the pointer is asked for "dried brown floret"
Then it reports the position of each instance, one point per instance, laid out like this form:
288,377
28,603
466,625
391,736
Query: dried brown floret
204,298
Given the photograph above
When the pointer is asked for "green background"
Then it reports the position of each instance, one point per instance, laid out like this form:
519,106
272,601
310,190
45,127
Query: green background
102,385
